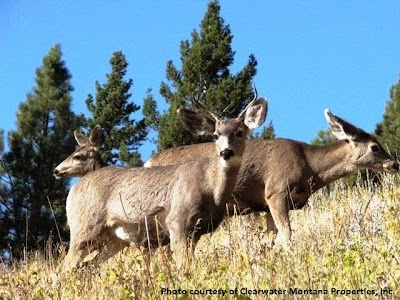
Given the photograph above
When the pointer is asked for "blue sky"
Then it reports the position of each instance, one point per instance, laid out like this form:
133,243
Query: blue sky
341,55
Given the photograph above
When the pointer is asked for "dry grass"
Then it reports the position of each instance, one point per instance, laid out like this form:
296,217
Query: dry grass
345,240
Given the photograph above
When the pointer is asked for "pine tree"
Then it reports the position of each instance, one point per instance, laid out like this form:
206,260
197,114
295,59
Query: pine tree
205,73
150,111
267,133
112,110
3,191
1,141
324,137
389,129
33,202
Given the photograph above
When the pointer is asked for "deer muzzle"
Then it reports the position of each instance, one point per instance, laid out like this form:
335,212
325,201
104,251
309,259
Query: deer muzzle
227,154
57,174
391,167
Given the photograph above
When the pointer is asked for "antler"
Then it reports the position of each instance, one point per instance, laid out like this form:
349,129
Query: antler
205,109
250,103
227,111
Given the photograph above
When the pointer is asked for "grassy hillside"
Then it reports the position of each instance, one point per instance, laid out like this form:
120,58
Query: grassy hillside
346,243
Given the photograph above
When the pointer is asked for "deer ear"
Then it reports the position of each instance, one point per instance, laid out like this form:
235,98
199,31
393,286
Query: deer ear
81,139
96,138
195,122
341,129
256,113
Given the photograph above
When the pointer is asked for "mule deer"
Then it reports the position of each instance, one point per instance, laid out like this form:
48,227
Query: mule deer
112,207
85,158
279,175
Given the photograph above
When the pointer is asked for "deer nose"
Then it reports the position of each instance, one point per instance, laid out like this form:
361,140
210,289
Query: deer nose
227,154
57,173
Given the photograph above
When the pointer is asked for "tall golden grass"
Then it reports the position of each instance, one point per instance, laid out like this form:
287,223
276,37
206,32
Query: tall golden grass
345,244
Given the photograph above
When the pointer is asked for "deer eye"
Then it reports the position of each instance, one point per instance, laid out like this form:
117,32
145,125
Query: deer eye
215,136
239,134
79,157
375,148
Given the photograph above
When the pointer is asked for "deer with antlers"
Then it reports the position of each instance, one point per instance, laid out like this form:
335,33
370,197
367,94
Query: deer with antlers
110,208
280,175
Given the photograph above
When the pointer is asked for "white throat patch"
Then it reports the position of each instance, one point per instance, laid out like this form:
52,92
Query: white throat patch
232,162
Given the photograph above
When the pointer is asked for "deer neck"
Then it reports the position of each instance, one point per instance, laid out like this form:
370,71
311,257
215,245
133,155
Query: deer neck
99,163
223,180
331,162
94,164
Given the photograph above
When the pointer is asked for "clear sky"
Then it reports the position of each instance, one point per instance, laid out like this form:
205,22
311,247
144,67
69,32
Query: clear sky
341,55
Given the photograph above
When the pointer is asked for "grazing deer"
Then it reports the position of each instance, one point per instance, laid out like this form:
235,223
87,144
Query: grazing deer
280,175
84,159
112,207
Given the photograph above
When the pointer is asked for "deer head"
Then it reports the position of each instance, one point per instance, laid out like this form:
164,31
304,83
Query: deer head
84,159
230,134
367,152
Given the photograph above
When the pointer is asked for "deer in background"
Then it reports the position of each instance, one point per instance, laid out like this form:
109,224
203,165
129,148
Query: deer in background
110,208
85,158
280,175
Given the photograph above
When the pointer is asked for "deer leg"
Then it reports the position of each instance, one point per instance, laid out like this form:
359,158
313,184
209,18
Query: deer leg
271,227
178,243
74,257
272,231
279,210
192,247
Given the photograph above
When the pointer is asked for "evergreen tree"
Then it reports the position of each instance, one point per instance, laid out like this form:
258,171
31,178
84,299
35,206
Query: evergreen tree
389,129
3,190
205,73
324,137
112,110
1,141
267,133
33,202
150,111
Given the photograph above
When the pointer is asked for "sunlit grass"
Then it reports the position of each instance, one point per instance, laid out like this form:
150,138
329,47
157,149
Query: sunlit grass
347,239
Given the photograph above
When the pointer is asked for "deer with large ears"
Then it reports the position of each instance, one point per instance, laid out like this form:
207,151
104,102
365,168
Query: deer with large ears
112,207
85,158
280,174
